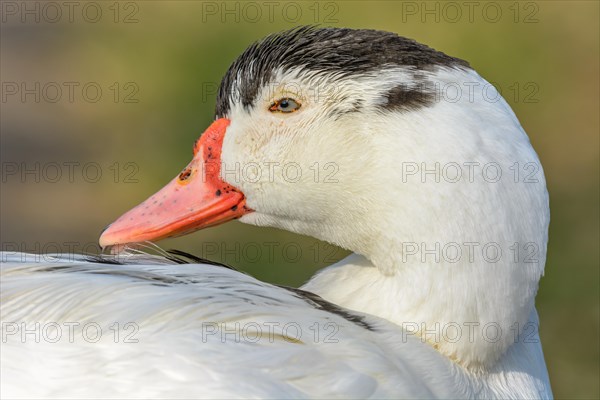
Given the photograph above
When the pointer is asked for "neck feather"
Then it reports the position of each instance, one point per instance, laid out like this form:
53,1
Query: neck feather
454,258
429,303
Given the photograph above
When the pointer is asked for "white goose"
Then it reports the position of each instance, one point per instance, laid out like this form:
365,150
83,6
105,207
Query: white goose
436,301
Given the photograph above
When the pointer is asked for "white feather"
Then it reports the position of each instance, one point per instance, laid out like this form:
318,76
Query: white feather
167,351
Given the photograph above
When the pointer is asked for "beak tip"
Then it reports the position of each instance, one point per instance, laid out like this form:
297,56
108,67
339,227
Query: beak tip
104,241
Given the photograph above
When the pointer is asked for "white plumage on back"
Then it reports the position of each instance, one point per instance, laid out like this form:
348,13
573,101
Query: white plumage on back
202,331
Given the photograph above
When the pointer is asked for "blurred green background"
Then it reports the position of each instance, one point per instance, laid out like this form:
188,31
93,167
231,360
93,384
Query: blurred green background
123,90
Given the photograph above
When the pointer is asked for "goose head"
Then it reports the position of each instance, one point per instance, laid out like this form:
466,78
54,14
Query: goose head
385,147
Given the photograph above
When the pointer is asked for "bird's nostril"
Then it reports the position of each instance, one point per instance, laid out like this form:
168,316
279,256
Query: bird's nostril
185,174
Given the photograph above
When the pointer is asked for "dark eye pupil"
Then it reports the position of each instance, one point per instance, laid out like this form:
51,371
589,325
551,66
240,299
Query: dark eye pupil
284,104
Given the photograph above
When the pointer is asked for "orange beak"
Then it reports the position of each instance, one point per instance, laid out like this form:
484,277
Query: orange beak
197,198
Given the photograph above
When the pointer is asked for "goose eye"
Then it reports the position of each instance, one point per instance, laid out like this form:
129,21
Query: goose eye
285,105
